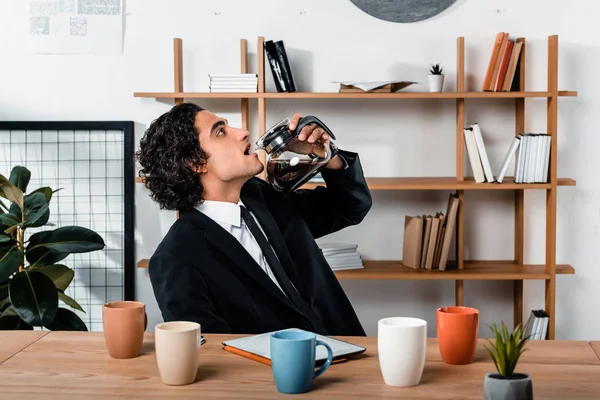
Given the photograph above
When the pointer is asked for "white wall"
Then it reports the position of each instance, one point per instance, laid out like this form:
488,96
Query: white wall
334,40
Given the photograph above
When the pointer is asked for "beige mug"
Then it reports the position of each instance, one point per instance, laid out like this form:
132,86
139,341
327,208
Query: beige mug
124,323
176,345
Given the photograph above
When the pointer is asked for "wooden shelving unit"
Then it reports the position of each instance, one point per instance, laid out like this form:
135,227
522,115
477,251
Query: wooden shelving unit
443,183
458,270
335,95
473,270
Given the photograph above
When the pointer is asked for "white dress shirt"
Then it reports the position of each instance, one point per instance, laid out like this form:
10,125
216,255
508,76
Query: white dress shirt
229,216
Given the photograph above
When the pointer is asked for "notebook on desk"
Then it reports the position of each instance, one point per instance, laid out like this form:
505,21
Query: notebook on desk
258,348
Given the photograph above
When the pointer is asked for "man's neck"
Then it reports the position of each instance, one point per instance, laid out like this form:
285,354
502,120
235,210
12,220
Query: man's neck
222,191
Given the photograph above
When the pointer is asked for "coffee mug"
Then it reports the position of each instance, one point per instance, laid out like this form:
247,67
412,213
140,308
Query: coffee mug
402,347
176,345
293,355
457,332
124,323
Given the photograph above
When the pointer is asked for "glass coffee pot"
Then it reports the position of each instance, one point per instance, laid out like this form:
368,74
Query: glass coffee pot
291,162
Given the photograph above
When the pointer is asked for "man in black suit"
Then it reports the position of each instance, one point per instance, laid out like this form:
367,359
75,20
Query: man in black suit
242,257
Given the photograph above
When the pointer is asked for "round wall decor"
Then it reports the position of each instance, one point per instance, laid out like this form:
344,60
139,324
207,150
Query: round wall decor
403,10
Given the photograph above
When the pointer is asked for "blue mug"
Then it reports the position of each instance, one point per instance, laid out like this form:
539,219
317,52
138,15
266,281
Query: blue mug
293,355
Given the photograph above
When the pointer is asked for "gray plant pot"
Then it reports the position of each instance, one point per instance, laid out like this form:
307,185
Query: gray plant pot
496,387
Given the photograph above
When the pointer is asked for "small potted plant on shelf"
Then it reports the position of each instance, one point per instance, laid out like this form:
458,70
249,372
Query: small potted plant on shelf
32,277
505,351
436,78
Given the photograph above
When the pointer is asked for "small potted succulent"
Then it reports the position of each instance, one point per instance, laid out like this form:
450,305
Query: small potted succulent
436,78
505,352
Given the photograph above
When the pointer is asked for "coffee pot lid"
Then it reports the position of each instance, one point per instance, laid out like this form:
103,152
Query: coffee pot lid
275,137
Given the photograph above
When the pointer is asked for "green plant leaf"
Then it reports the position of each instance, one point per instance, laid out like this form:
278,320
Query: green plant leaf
507,348
8,311
34,297
4,238
46,191
49,247
61,275
68,239
4,290
69,301
19,177
66,320
8,220
4,304
43,256
10,260
36,210
14,323
3,180
3,207
12,193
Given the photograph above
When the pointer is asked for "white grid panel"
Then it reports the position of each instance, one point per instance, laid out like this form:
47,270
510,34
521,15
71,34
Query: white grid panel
88,166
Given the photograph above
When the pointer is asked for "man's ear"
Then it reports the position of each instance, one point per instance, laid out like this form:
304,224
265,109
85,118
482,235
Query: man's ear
199,169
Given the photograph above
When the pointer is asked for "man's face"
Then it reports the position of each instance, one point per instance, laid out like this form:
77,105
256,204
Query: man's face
230,156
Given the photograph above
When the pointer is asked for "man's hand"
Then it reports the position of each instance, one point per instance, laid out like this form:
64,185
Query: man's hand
311,133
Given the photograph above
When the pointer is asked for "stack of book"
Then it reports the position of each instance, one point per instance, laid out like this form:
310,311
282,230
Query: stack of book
233,83
427,238
280,66
502,74
342,256
318,178
537,325
530,150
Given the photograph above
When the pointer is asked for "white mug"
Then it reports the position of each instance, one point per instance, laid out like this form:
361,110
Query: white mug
402,346
176,345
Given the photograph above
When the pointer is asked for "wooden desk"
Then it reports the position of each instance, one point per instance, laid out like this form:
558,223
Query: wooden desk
11,343
76,365
596,347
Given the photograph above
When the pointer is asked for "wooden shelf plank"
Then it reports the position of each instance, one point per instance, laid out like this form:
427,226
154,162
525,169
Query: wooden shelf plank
473,270
444,183
449,183
336,95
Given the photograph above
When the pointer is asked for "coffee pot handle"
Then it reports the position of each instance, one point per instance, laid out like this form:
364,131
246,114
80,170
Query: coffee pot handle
309,119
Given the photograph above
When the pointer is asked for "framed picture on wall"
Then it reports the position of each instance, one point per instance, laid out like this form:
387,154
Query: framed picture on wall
91,162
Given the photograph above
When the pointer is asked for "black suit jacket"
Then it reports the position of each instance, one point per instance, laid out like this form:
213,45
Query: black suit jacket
201,273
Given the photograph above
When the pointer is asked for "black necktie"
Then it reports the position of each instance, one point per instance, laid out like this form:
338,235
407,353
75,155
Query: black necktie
275,265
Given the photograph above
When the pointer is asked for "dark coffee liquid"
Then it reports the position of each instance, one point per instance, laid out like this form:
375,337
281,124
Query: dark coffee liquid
283,176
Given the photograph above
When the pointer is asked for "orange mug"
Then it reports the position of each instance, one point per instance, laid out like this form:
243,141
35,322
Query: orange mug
124,324
457,333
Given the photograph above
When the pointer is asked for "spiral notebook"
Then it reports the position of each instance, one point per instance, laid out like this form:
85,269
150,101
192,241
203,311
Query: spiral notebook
258,348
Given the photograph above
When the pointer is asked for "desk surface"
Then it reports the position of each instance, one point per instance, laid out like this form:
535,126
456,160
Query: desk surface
76,365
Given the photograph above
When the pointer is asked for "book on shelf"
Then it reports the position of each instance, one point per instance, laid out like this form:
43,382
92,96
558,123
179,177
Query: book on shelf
342,256
530,152
480,164
233,83
373,87
318,178
502,74
280,66
427,238
536,326
533,158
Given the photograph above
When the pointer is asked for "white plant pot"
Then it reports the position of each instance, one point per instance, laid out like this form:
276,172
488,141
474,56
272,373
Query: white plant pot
436,82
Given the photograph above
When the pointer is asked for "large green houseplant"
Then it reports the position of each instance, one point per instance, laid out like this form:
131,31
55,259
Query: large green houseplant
32,281
505,351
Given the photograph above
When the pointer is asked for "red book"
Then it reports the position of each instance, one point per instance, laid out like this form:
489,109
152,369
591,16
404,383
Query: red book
504,65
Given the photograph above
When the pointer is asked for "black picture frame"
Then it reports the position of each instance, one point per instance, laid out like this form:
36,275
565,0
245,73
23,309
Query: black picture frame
127,127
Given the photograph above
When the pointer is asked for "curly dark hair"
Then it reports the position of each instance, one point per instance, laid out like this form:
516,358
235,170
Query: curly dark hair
168,150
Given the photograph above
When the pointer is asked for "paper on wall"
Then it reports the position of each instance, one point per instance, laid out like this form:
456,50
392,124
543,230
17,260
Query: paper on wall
75,27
